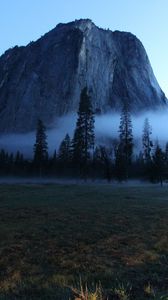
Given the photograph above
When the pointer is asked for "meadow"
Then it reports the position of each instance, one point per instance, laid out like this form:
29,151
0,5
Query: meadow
55,236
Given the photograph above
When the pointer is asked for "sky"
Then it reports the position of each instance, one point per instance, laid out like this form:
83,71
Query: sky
22,21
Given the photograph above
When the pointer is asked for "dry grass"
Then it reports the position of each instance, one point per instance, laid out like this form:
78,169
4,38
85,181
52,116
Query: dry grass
84,293
53,234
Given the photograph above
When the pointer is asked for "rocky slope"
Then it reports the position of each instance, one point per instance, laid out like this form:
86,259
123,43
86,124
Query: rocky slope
44,79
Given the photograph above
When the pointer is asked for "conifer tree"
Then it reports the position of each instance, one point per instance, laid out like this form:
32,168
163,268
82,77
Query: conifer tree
64,153
158,164
107,162
97,163
124,150
40,147
3,161
166,160
18,158
147,142
83,140
54,157
19,163
120,163
52,164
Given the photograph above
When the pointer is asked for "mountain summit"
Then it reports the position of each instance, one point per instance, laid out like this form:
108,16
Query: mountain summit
44,79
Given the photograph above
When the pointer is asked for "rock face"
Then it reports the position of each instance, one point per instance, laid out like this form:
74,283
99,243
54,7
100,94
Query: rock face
44,79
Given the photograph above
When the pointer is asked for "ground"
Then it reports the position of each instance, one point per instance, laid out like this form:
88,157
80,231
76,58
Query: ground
54,235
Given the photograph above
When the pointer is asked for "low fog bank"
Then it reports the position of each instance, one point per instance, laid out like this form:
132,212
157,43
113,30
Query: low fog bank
76,181
106,127
25,142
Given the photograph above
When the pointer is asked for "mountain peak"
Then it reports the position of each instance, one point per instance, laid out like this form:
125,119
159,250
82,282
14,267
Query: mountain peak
44,79
82,24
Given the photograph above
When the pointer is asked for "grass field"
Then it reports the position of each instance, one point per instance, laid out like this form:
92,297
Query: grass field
53,235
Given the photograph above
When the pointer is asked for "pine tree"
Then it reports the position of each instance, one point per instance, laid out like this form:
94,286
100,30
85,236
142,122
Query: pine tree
107,162
83,140
40,147
120,164
54,157
96,163
166,160
124,150
19,163
158,164
3,161
147,142
18,158
64,153
52,164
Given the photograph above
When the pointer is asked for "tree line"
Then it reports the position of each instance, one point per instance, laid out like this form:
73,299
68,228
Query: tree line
81,157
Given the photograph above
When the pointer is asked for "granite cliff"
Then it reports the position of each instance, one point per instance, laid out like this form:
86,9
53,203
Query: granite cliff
44,79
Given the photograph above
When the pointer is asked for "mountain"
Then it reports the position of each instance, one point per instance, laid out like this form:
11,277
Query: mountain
44,79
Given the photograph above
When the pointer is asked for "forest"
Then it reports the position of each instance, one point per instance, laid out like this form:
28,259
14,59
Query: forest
81,156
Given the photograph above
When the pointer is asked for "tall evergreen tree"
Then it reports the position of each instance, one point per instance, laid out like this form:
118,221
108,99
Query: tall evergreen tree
64,150
52,164
19,162
40,147
158,164
54,157
120,163
146,141
124,150
166,160
97,164
18,158
64,153
3,161
107,162
83,140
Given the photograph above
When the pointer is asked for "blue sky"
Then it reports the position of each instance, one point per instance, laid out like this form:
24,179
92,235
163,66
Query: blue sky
22,21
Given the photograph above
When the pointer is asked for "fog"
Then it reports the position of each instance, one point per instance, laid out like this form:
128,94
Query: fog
106,126
42,181
24,142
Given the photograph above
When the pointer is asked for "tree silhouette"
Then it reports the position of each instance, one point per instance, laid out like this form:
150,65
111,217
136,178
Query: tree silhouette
158,164
146,141
124,150
83,140
40,147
